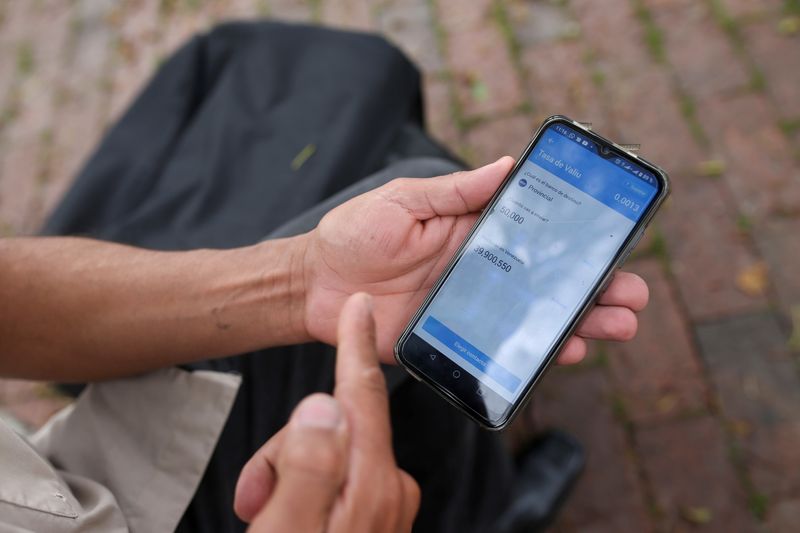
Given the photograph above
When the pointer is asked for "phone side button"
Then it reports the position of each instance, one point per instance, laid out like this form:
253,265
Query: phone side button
635,242
631,248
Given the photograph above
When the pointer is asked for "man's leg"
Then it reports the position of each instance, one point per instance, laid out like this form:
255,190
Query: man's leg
464,473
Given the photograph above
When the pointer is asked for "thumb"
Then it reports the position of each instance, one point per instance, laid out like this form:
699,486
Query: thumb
257,479
310,468
459,193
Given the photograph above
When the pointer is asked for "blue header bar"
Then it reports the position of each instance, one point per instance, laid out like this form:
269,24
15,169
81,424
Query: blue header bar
587,171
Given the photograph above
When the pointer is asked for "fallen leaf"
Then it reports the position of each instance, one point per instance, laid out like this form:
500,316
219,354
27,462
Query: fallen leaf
753,279
667,403
480,92
570,31
697,515
794,339
302,156
741,428
789,25
712,168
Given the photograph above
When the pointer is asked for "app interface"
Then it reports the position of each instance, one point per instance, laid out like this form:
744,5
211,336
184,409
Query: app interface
526,272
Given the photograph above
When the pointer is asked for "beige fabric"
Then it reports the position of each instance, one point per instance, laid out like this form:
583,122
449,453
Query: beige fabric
127,456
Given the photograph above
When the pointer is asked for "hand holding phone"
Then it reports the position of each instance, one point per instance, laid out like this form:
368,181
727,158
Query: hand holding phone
395,241
535,262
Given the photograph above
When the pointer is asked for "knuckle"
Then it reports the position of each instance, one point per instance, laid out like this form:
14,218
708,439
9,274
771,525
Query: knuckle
626,325
398,184
616,324
389,501
369,381
412,491
373,379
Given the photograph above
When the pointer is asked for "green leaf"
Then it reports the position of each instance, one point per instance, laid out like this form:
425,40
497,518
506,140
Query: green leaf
479,90
697,515
789,25
303,156
794,340
713,168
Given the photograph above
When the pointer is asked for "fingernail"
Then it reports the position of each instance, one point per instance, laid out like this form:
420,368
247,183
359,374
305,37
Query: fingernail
320,411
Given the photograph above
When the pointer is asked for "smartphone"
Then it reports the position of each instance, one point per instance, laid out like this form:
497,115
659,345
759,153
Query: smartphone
542,251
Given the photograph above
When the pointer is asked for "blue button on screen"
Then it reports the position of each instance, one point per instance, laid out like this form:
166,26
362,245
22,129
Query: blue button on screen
471,354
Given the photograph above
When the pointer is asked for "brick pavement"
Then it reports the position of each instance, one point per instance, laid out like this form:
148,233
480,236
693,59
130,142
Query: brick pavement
693,426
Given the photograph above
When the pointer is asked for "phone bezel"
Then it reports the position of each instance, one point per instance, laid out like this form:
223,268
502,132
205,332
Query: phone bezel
515,407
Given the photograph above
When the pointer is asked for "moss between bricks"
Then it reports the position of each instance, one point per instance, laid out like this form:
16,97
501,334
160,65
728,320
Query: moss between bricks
653,36
790,127
732,29
25,60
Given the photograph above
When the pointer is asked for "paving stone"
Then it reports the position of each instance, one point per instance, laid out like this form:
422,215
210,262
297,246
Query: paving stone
706,249
479,59
747,9
747,137
612,33
688,29
658,374
642,104
17,17
777,56
559,82
83,98
242,9
182,26
759,392
23,167
539,22
347,14
691,477
21,164
504,136
409,25
438,111
779,242
138,51
291,10
784,516
608,497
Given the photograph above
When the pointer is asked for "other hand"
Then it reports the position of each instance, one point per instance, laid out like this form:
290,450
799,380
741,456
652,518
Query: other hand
332,468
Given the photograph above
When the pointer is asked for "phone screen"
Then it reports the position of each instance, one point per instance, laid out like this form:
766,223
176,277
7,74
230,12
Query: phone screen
532,264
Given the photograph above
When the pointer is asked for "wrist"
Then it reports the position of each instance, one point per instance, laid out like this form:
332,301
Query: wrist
282,285
298,283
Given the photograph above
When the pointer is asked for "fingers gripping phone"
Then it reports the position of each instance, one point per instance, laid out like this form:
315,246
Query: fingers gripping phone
543,250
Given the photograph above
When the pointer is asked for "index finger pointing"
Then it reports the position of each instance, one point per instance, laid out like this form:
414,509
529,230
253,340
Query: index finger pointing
360,385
